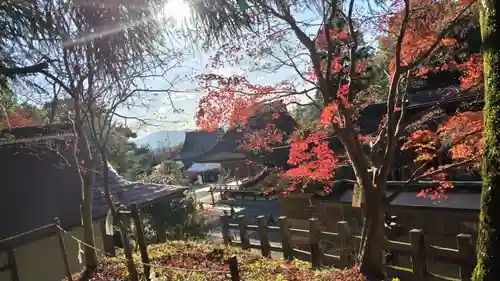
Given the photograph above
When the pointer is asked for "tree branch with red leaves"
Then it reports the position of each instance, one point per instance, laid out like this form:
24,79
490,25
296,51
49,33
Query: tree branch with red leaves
411,33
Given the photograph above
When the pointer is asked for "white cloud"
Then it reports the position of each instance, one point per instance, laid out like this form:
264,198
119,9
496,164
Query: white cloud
227,71
181,97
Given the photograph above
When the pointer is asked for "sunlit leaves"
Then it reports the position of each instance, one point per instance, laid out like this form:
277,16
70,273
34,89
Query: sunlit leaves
313,159
343,75
428,21
16,118
190,261
425,143
262,139
465,133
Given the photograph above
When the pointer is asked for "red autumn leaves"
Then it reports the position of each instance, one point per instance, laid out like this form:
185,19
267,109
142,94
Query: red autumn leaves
17,118
426,22
313,159
233,100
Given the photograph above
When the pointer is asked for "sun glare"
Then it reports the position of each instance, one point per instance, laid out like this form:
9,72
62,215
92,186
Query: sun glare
176,10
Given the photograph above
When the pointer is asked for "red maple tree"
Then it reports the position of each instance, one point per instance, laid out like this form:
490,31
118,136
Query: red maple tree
17,118
417,38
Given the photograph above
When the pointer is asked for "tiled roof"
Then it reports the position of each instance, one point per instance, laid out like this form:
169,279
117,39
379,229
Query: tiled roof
463,197
40,182
225,149
126,192
196,143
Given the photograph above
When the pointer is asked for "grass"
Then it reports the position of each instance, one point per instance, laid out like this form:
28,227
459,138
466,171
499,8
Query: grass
190,261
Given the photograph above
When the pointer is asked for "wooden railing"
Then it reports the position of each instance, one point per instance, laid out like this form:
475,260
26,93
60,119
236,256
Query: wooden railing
463,256
244,194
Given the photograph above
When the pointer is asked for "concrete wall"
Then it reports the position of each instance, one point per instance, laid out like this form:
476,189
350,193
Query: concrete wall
41,260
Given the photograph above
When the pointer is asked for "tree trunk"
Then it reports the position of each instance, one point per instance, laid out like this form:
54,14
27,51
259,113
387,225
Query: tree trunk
371,250
127,248
87,177
88,227
161,233
85,168
371,253
488,244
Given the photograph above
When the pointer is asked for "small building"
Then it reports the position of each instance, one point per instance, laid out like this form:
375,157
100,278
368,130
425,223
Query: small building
223,146
195,144
234,162
40,183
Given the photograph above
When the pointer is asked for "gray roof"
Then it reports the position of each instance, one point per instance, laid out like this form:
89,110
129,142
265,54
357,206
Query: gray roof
196,143
454,200
40,182
371,116
126,192
225,149
444,95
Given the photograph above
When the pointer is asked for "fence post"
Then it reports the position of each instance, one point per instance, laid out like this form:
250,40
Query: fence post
141,240
62,247
225,229
345,243
264,239
314,231
212,195
418,253
107,240
466,255
233,268
286,239
11,261
245,241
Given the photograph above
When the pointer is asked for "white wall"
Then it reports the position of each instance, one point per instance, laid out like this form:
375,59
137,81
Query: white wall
41,260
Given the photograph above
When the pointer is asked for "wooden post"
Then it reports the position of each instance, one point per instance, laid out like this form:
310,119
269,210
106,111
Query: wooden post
345,243
233,268
466,255
419,221
225,229
11,259
248,170
141,240
212,195
62,247
245,241
418,253
286,239
316,254
107,240
264,239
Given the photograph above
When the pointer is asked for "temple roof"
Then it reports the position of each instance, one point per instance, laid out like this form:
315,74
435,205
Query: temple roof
40,181
226,149
197,143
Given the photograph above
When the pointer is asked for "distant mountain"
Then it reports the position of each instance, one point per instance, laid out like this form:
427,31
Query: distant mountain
159,139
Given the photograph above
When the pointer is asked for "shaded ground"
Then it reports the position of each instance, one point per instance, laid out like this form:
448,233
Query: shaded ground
249,208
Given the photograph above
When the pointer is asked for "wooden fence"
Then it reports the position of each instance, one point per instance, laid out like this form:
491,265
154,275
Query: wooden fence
243,194
463,256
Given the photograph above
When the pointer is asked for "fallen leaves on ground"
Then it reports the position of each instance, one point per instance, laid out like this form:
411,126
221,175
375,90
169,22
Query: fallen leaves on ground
189,261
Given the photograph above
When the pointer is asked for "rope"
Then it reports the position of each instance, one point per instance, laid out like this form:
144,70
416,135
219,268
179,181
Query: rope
147,264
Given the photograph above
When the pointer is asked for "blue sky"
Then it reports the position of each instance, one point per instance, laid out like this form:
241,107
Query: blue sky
160,114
